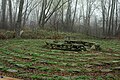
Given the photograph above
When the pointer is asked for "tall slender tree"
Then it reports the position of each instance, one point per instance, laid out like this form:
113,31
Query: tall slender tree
69,17
10,14
103,15
19,20
74,15
4,2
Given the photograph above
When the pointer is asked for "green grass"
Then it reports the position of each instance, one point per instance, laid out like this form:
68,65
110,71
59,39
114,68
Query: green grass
35,62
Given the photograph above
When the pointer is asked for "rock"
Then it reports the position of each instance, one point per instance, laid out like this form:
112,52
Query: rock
115,61
98,64
43,61
88,69
117,55
107,62
76,52
88,65
10,60
3,56
1,67
108,54
83,60
64,64
106,70
62,70
31,67
74,64
116,68
76,71
93,47
20,65
12,70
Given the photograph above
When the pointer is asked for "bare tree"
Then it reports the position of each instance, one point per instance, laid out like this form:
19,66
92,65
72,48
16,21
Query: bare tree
15,11
47,11
10,14
103,15
116,20
74,15
30,6
69,17
4,2
43,15
89,11
111,20
19,20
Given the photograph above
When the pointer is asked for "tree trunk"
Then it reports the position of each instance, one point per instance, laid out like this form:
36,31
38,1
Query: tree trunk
25,13
3,13
68,17
103,16
111,20
43,15
116,22
10,14
73,21
19,20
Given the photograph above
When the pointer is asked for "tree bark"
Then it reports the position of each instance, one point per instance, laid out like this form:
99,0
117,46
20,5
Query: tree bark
73,21
19,20
103,16
68,17
4,2
10,14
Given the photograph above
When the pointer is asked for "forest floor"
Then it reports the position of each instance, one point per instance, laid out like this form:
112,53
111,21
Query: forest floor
27,59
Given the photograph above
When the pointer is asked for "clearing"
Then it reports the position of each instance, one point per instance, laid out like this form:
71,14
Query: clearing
27,59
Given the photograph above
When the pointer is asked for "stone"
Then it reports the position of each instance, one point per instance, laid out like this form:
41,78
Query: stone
64,64
106,70
74,64
82,60
43,61
108,54
21,65
10,60
115,61
106,62
62,70
88,65
76,52
12,70
90,58
27,57
116,68
3,56
93,47
98,64
117,55
1,67
89,69
76,71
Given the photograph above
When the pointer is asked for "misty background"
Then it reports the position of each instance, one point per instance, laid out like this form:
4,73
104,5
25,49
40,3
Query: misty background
99,18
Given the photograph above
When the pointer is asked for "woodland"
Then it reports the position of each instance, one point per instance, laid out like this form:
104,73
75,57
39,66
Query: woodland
59,39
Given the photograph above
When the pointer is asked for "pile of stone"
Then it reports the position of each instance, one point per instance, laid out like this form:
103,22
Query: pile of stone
73,45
